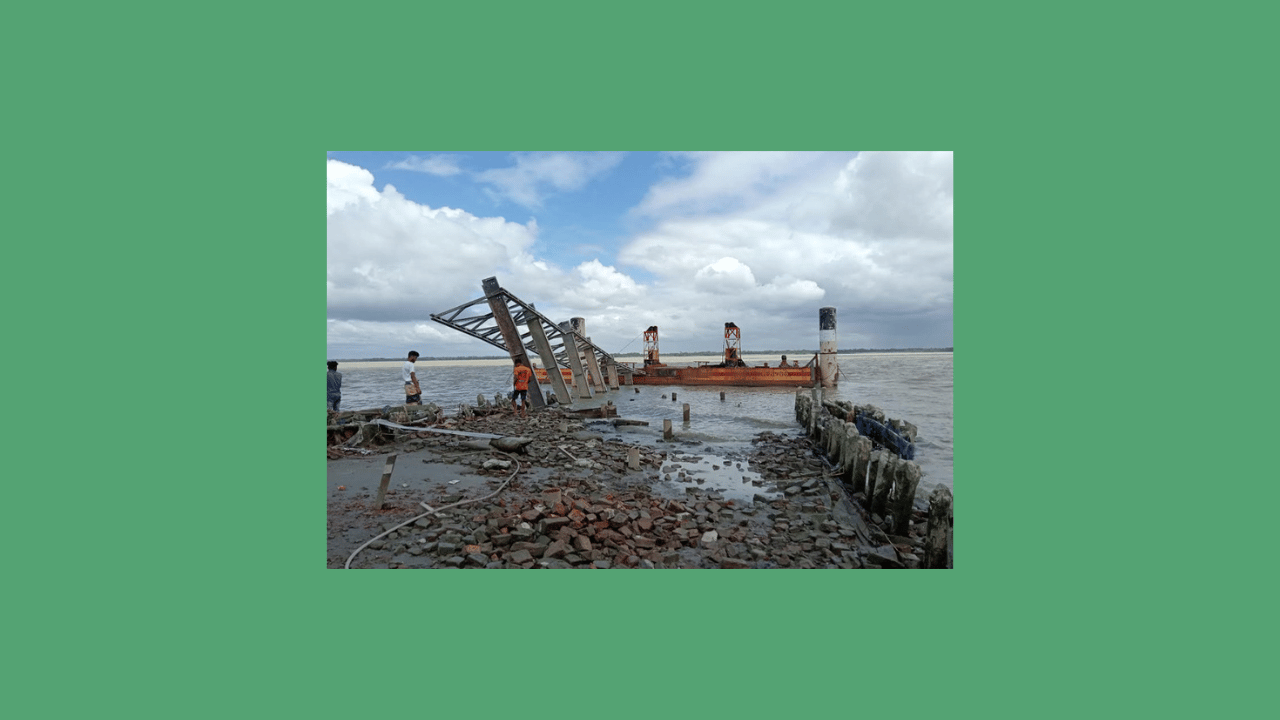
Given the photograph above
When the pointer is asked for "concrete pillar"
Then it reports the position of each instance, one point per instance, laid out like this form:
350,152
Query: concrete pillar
666,430
593,365
548,356
611,373
686,412
575,361
827,346
510,335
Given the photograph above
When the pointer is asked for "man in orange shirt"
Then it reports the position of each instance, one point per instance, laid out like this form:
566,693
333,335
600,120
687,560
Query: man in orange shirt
520,399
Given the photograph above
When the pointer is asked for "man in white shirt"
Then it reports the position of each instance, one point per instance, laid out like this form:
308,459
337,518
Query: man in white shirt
412,392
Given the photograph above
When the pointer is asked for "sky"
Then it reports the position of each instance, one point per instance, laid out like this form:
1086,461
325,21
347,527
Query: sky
686,241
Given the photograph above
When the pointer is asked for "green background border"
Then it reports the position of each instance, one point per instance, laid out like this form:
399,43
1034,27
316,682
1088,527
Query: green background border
172,560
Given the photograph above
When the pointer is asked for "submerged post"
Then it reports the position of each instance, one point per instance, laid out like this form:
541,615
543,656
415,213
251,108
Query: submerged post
386,480
827,367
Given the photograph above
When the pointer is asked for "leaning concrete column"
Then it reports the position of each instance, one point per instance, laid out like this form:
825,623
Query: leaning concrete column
548,356
593,366
937,539
827,346
611,373
511,335
575,360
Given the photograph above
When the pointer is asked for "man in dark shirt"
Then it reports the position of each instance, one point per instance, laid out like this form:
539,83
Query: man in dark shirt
335,386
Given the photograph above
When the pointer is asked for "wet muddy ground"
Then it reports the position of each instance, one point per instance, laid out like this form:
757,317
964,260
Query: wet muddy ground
574,502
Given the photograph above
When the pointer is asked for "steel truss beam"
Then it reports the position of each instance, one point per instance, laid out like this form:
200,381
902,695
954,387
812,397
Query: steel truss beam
476,318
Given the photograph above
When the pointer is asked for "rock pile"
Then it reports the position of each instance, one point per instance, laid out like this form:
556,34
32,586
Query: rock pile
592,510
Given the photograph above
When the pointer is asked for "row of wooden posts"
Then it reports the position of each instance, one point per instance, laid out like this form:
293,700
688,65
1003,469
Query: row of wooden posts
887,481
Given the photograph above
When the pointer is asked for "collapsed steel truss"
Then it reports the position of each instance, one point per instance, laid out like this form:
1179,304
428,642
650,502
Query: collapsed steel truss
515,326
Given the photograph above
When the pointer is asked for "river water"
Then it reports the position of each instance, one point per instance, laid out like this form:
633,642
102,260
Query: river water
916,387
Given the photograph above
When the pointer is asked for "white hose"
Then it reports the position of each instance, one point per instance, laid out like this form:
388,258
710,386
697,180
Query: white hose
436,510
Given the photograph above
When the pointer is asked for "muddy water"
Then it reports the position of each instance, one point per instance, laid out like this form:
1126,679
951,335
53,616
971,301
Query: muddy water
916,387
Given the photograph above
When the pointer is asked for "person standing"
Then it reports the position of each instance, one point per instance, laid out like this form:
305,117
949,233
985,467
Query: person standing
335,386
520,398
412,391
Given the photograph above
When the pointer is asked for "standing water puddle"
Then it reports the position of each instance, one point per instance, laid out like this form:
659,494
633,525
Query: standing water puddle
732,478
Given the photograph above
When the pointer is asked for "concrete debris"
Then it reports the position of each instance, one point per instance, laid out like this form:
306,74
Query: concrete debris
578,503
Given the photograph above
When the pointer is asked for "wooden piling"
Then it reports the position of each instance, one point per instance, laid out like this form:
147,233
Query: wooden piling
666,430
906,479
386,480
721,396
937,537
686,412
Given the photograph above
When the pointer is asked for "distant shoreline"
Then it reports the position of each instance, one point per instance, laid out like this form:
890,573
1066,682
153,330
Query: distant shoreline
793,353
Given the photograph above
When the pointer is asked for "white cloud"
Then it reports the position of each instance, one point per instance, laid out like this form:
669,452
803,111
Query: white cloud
726,276
535,175
759,239
348,185
734,181
393,259
442,165
897,195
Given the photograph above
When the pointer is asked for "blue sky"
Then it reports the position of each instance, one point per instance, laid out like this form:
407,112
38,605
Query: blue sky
685,241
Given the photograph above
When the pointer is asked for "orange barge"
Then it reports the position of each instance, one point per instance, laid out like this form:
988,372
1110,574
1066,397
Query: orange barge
731,371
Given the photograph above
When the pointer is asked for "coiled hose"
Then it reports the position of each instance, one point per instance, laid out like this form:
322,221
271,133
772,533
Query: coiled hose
436,510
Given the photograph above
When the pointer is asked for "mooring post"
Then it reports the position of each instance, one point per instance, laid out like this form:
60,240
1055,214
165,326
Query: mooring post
827,345
386,480
686,412
673,397
666,430
721,396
